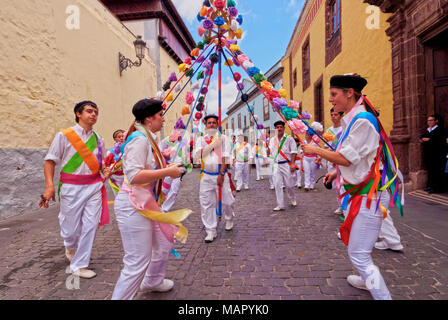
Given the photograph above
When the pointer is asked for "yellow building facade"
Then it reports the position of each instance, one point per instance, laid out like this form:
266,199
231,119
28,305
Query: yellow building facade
56,53
337,37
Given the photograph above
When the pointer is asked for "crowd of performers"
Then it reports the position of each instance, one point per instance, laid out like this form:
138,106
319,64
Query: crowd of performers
146,176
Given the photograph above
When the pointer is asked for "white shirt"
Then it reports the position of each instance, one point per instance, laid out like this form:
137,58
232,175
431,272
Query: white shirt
61,150
138,156
245,154
261,150
212,160
184,149
360,148
289,148
430,129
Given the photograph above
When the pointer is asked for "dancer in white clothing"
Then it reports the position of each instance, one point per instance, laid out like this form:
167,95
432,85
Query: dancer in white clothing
283,149
81,188
147,243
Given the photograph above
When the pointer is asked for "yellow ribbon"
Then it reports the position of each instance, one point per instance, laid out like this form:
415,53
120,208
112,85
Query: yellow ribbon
171,217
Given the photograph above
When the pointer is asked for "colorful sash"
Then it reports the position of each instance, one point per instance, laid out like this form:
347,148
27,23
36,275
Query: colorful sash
237,153
147,201
375,180
84,153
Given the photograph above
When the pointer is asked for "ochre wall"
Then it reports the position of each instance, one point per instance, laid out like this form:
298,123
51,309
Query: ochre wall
366,52
46,69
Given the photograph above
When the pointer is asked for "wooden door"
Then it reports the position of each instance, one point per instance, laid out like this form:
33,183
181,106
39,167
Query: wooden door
436,51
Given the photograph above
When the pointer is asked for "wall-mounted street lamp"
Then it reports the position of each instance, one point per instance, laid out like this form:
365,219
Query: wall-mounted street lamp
140,47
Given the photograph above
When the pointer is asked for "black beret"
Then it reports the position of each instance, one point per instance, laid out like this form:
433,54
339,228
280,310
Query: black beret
348,81
279,122
146,108
211,116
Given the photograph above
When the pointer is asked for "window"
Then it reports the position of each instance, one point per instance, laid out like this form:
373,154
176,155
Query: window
300,108
239,120
333,30
306,64
318,100
233,124
245,123
294,77
265,109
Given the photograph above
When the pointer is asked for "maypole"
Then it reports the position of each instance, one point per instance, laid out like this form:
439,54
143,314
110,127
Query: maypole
219,120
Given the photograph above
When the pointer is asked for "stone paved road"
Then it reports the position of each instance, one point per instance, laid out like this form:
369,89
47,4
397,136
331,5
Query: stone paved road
294,254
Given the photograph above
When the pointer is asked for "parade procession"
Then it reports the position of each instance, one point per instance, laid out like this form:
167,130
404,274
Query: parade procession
198,173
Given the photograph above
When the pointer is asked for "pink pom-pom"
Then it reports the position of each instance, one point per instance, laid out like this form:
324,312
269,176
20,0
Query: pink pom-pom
242,58
316,139
297,126
293,105
189,98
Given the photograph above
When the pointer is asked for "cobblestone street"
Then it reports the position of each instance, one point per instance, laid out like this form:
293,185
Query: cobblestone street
292,254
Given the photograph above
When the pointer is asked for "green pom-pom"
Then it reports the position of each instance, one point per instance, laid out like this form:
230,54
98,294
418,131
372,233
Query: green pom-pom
190,73
258,78
200,75
200,45
230,3
206,41
289,113
201,99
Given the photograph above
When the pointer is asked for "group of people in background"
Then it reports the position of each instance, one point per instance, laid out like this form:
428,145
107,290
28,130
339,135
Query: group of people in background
146,176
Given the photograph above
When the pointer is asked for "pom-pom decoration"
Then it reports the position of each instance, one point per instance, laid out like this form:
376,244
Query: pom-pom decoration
240,86
219,21
294,105
194,52
208,24
273,94
306,115
237,76
173,77
248,64
279,102
233,12
266,85
328,136
234,47
253,71
200,75
195,86
283,93
189,98
207,64
182,67
219,4
229,62
214,58
169,98
317,127
198,116
297,126
289,113
185,110
258,78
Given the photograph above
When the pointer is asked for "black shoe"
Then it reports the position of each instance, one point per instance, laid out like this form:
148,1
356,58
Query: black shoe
427,189
430,191
306,189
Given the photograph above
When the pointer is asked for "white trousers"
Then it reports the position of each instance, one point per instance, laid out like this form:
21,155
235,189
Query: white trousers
388,232
283,177
259,162
242,174
299,174
309,168
79,216
208,198
146,250
170,197
363,235
119,180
